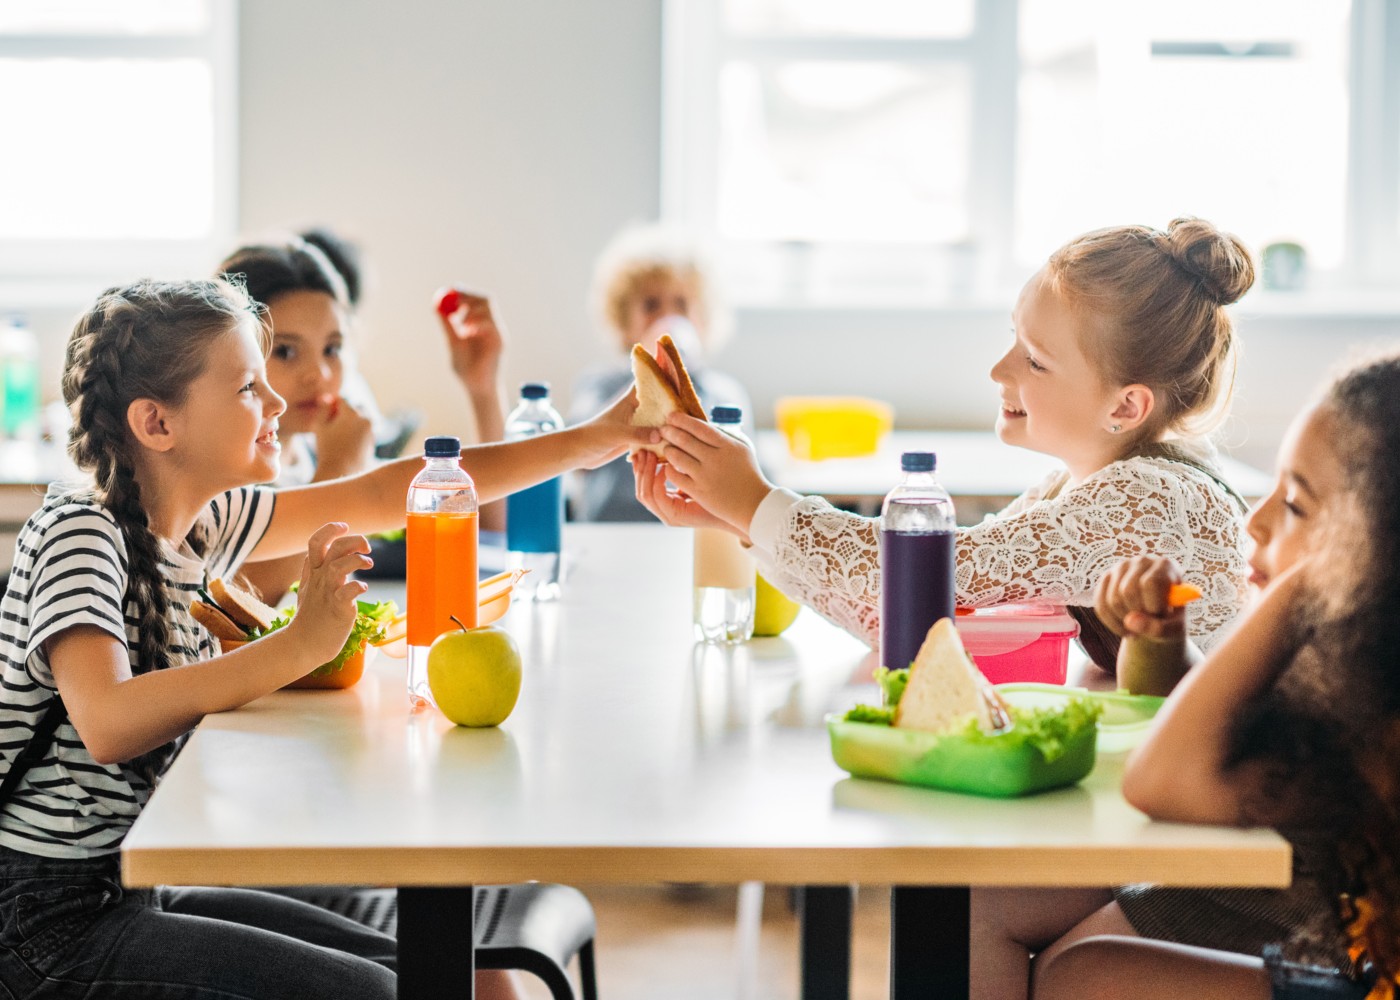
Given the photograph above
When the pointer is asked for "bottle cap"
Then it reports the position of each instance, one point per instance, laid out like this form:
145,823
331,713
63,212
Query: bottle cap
534,390
918,461
726,414
442,447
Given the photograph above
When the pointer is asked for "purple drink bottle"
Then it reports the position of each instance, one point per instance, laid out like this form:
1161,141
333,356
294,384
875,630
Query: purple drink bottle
917,545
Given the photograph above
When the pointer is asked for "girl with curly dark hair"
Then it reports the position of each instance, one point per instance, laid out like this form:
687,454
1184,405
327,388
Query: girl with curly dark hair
1293,721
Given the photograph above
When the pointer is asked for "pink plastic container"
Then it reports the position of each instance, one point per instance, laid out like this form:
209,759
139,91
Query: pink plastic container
1019,642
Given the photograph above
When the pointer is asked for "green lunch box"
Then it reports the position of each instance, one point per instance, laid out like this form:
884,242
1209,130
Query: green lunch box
999,766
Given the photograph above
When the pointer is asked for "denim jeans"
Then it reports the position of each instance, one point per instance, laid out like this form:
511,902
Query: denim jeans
68,929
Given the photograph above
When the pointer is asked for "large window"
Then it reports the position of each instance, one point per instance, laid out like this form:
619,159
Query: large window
119,121
898,150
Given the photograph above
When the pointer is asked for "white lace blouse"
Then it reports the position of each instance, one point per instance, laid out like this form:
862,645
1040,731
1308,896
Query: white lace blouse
1046,546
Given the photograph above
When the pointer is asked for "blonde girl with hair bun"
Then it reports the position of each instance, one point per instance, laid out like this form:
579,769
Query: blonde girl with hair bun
104,671
1121,356
650,280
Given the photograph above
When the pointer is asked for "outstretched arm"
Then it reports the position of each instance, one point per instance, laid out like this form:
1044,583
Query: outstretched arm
375,500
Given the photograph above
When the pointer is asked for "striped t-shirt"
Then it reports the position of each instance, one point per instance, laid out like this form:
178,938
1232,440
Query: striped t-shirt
70,569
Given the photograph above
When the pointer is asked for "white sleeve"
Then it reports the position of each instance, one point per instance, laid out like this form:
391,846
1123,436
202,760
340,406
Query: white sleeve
1038,550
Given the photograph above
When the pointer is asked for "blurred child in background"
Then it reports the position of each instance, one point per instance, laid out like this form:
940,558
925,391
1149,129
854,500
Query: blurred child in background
647,282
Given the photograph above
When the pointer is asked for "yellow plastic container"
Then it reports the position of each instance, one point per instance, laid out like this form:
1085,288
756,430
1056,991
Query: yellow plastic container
820,427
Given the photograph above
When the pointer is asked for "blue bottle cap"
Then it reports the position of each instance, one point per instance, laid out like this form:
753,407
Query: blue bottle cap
918,461
726,414
442,447
534,390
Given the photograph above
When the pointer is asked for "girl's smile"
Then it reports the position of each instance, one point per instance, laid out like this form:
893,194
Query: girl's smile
1053,398
229,419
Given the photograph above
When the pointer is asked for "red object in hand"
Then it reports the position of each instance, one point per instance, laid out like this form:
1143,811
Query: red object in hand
447,301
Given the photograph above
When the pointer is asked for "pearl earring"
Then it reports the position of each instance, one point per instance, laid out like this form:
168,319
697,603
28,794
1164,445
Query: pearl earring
1116,428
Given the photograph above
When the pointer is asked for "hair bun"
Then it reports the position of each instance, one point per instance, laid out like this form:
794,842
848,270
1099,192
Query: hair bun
1218,260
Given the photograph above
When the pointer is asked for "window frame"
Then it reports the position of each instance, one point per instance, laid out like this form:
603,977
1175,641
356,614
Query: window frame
44,271
693,50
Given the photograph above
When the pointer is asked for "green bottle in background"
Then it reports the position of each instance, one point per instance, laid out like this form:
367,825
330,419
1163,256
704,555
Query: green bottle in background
19,382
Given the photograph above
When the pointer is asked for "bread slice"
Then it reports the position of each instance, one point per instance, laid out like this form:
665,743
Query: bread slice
945,686
220,625
663,388
240,605
670,361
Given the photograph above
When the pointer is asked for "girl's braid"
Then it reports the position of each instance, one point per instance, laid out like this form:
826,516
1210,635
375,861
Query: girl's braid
99,442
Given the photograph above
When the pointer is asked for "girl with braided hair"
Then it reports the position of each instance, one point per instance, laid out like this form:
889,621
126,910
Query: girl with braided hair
1293,722
104,672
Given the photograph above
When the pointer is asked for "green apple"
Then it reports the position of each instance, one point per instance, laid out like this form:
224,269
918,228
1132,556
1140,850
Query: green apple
474,675
773,610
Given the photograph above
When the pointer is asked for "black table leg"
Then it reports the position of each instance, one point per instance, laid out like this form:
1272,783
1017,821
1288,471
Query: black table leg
825,930
436,957
929,929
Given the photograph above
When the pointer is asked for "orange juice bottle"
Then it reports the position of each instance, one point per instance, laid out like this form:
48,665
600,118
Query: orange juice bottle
442,557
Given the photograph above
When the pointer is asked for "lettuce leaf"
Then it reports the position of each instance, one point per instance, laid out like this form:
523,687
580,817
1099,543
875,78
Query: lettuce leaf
869,713
1049,730
371,619
892,684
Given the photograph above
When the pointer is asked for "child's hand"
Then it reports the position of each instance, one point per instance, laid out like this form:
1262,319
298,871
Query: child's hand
671,508
475,342
610,433
344,441
715,470
1132,598
327,595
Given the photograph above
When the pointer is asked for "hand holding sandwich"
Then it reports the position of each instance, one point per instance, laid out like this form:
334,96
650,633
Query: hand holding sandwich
717,477
119,715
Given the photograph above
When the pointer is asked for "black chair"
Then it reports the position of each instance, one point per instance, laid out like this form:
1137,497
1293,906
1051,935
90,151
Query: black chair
537,927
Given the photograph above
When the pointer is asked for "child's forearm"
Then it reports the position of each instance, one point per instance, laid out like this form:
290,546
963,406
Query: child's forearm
375,501
119,716
1178,773
490,427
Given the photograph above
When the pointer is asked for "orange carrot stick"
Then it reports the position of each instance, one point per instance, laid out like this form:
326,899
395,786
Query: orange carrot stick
1182,594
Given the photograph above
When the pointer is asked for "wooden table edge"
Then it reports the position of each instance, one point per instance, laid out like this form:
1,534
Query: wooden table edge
969,866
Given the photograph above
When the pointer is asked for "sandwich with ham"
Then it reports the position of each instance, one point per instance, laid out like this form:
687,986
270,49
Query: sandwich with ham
663,387
236,617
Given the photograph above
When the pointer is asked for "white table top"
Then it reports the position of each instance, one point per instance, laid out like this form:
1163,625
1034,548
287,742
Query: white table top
974,465
633,756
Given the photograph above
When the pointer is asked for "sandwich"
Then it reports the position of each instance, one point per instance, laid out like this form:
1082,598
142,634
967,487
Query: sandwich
944,688
233,615
663,387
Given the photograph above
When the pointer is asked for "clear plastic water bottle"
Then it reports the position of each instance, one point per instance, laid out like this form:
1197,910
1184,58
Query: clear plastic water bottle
918,542
442,557
535,516
725,575
19,382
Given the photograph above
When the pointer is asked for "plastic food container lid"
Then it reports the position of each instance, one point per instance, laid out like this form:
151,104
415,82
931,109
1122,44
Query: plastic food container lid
1009,627
1125,720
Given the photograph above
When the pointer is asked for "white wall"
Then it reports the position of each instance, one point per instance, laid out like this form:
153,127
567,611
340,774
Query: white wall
492,143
